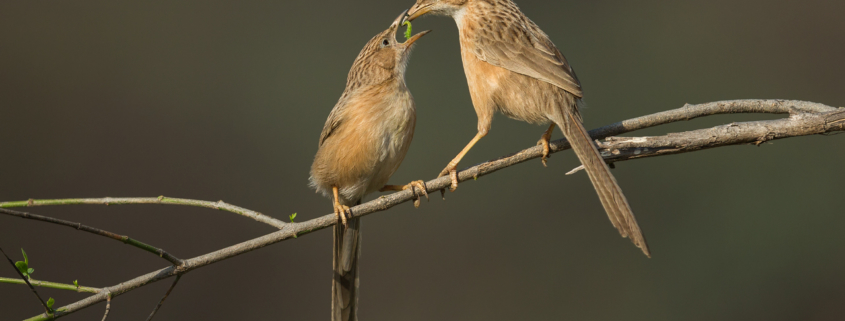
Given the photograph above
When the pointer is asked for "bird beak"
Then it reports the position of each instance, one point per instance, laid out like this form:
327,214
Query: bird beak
397,24
414,38
400,19
416,11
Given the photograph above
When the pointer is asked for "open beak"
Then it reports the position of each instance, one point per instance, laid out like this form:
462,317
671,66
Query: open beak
417,11
414,38
397,24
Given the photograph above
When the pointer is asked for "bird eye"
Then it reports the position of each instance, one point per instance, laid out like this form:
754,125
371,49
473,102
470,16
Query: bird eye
385,43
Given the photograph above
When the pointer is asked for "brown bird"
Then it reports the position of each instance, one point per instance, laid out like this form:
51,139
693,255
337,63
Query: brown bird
363,142
512,67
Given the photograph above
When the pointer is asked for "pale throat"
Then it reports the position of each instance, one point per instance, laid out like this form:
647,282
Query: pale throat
459,15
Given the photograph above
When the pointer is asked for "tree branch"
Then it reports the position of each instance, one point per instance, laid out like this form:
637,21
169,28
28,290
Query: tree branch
625,148
52,285
166,294
46,308
108,306
219,205
806,119
690,112
122,238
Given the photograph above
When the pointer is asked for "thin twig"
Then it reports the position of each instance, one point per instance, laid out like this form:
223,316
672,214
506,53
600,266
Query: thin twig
108,305
122,238
219,205
833,123
575,170
52,285
46,308
158,306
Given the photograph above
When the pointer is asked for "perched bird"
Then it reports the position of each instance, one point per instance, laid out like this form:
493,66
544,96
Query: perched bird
363,142
512,67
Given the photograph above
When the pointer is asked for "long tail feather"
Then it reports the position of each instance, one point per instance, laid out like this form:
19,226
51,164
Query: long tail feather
610,194
346,250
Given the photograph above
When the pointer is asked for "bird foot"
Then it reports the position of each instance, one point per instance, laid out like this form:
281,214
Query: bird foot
341,211
452,171
417,186
546,149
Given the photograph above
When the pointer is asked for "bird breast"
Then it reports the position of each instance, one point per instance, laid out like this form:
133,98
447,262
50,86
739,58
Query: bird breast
375,131
393,122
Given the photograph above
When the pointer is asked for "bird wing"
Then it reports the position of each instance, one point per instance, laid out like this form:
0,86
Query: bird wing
516,43
335,118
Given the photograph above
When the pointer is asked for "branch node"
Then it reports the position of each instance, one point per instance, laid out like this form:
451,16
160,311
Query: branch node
30,202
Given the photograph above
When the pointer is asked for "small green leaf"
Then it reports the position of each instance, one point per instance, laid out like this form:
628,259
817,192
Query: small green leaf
76,283
25,259
294,235
407,31
50,303
292,216
30,271
22,266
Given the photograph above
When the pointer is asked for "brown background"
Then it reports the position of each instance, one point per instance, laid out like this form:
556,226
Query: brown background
226,99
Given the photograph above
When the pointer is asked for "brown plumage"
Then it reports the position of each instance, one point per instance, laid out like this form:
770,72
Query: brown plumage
512,67
363,142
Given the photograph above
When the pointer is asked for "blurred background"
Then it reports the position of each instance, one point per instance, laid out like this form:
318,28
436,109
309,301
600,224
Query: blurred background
225,100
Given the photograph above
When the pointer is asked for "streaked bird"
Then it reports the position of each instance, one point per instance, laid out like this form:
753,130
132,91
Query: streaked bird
362,144
512,67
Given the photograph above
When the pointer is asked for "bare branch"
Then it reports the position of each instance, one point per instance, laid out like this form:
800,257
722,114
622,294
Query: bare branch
52,285
689,112
575,170
758,132
158,306
219,205
46,308
122,238
108,306
805,121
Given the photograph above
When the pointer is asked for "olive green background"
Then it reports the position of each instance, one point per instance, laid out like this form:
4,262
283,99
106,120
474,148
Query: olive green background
226,99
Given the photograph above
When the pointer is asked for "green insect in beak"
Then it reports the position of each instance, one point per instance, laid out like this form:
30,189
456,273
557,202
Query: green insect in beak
407,31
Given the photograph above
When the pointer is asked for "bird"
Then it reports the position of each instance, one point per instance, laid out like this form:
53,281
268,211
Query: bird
513,67
363,142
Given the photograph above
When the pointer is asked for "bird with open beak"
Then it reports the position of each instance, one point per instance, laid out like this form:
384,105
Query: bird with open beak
514,68
362,144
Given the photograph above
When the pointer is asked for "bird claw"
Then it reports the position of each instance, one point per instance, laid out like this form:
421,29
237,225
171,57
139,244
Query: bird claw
546,150
453,174
414,186
341,211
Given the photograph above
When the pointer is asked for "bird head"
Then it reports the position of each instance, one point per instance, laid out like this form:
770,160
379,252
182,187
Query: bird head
384,57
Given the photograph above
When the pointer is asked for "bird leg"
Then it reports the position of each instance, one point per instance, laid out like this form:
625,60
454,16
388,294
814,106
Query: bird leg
413,186
544,140
339,209
451,169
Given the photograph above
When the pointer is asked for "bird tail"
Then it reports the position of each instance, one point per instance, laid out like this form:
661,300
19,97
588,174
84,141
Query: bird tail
608,190
346,250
